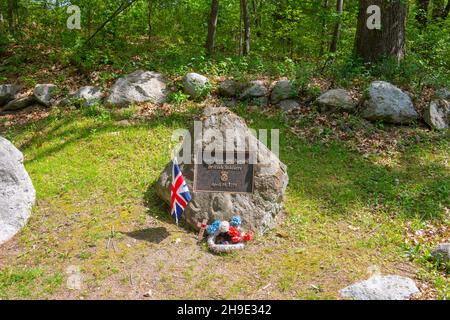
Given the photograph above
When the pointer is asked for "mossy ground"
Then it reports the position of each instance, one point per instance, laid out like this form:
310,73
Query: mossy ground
346,213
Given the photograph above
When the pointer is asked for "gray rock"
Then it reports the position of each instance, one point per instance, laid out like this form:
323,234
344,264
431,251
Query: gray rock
230,88
139,86
442,252
88,96
8,92
381,288
388,103
229,103
288,105
19,103
258,210
196,85
442,93
17,194
254,89
437,114
335,100
261,102
283,89
45,94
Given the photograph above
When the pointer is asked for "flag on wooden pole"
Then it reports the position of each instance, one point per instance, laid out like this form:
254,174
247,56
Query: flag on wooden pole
180,195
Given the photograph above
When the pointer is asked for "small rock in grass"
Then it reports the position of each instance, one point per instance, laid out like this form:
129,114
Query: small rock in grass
442,252
230,88
283,89
442,93
335,100
148,294
8,92
19,103
261,102
437,114
229,103
254,89
196,85
288,105
88,95
45,94
381,288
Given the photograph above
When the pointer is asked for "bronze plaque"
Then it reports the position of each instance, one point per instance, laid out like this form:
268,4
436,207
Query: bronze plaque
230,176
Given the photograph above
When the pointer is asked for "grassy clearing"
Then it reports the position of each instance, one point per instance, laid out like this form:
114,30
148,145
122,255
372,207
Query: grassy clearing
94,170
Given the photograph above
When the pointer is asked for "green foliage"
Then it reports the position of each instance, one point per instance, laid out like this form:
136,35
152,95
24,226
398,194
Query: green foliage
97,111
289,39
178,97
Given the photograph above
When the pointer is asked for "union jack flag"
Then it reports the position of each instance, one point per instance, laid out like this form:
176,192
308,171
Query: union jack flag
180,195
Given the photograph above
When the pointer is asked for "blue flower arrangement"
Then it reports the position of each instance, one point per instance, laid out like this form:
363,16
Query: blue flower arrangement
236,221
212,228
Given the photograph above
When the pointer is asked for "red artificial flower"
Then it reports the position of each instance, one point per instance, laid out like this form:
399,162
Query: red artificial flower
234,232
235,235
249,236
236,239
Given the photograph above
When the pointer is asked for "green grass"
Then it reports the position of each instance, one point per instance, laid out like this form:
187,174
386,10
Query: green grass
344,213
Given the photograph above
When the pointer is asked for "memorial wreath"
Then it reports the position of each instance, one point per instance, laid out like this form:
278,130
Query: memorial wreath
224,236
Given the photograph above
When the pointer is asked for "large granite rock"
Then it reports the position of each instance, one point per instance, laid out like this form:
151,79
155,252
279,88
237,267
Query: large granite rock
196,85
258,210
283,90
17,194
388,103
335,100
8,92
437,114
381,288
45,94
139,86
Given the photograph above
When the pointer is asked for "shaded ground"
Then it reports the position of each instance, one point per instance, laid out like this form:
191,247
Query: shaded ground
352,202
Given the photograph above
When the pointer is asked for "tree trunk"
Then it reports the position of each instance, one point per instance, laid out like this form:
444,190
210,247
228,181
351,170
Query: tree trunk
2,10
323,31
256,18
255,12
89,20
11,16
17,23
422,12
337,27
212,27
374,44
438,9
246,19
446,10
240,29
149,15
